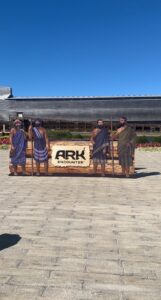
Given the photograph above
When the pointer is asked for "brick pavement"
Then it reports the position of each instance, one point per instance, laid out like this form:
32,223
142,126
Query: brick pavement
82,238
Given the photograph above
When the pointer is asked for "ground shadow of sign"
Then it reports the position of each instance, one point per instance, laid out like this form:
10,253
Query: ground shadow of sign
134,176
8,240
145,174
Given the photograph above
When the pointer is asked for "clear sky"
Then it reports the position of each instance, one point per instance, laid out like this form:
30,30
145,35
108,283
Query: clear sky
80,47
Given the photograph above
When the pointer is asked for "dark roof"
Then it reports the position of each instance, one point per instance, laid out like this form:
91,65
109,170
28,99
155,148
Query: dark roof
83,108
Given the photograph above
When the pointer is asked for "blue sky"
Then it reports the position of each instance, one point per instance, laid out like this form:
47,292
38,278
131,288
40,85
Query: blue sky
81,47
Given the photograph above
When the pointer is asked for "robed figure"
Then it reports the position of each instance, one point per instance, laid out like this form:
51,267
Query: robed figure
100,141
18,143
126,136
38,134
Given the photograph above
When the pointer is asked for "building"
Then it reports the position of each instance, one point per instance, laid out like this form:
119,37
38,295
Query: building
81,112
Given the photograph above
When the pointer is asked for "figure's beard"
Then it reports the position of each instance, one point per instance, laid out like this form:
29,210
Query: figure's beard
18,127
121,125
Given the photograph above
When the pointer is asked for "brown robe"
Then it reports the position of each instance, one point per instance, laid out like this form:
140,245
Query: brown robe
126,153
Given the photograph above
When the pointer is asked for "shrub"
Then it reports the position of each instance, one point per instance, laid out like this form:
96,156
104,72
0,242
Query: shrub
4,146
79,136
141,139
156,139
64,135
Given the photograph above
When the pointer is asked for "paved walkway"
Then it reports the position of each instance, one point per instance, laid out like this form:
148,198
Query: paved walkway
81,238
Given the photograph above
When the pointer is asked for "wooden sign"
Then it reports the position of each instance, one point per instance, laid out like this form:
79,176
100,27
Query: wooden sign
70,155
61,161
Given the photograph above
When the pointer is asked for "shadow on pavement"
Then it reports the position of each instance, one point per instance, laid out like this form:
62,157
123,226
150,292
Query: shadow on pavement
8,240
135,176
145,174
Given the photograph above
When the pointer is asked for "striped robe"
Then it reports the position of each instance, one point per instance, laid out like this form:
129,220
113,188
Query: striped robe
40,150
18,156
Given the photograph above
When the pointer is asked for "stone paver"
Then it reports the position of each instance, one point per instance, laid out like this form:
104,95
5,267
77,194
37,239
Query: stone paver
82,238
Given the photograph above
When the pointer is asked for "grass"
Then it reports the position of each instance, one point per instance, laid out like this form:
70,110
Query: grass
148,139
66,135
